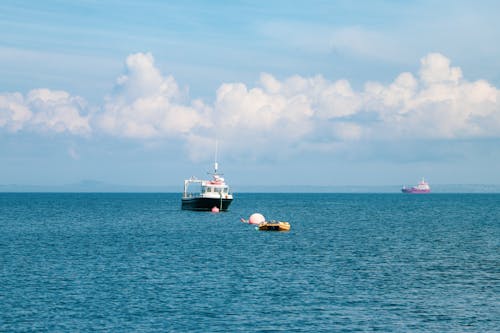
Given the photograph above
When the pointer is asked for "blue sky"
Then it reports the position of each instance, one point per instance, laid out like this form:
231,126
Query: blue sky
304,92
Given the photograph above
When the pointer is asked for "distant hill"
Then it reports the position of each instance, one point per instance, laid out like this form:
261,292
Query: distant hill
89,186
98,186
439,188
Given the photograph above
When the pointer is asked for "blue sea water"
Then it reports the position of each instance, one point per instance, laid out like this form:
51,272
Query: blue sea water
351,262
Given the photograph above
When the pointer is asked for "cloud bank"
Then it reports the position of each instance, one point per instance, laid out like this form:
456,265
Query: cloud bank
278,117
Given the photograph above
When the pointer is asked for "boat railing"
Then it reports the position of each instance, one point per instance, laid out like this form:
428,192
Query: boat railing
192,195
202,195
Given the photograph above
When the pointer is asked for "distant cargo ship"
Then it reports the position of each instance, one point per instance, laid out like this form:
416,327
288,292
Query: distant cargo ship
422,187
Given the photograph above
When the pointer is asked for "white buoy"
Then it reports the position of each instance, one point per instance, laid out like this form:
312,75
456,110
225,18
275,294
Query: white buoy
215,209
256,218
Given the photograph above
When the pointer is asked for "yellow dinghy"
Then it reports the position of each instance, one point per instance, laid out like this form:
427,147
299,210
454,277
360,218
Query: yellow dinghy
274,226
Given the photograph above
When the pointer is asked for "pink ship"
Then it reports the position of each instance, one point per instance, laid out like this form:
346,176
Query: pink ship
422,187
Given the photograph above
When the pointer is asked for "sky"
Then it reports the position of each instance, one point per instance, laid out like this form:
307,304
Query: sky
319,93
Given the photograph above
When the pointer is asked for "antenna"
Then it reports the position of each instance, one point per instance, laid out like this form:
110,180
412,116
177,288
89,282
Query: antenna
216,165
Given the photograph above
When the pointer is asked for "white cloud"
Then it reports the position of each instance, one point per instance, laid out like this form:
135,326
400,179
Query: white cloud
438,104
274,118
435,68
254,120
13,111
146,104
58,111
281,116
44,110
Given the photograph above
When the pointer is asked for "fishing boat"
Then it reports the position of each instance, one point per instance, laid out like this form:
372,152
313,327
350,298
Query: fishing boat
274,226
422,187
210,195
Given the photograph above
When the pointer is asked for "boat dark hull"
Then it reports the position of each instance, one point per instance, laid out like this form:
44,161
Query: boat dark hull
205,204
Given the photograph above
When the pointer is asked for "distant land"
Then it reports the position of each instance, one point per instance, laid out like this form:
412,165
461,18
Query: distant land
90,186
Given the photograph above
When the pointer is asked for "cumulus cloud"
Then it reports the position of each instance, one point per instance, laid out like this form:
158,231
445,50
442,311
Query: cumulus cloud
276,117
14,113
58,111
284,112
438,104
435,68
280,116
145,104
44,110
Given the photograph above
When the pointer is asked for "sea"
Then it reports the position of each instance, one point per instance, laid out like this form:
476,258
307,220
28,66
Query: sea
352,262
